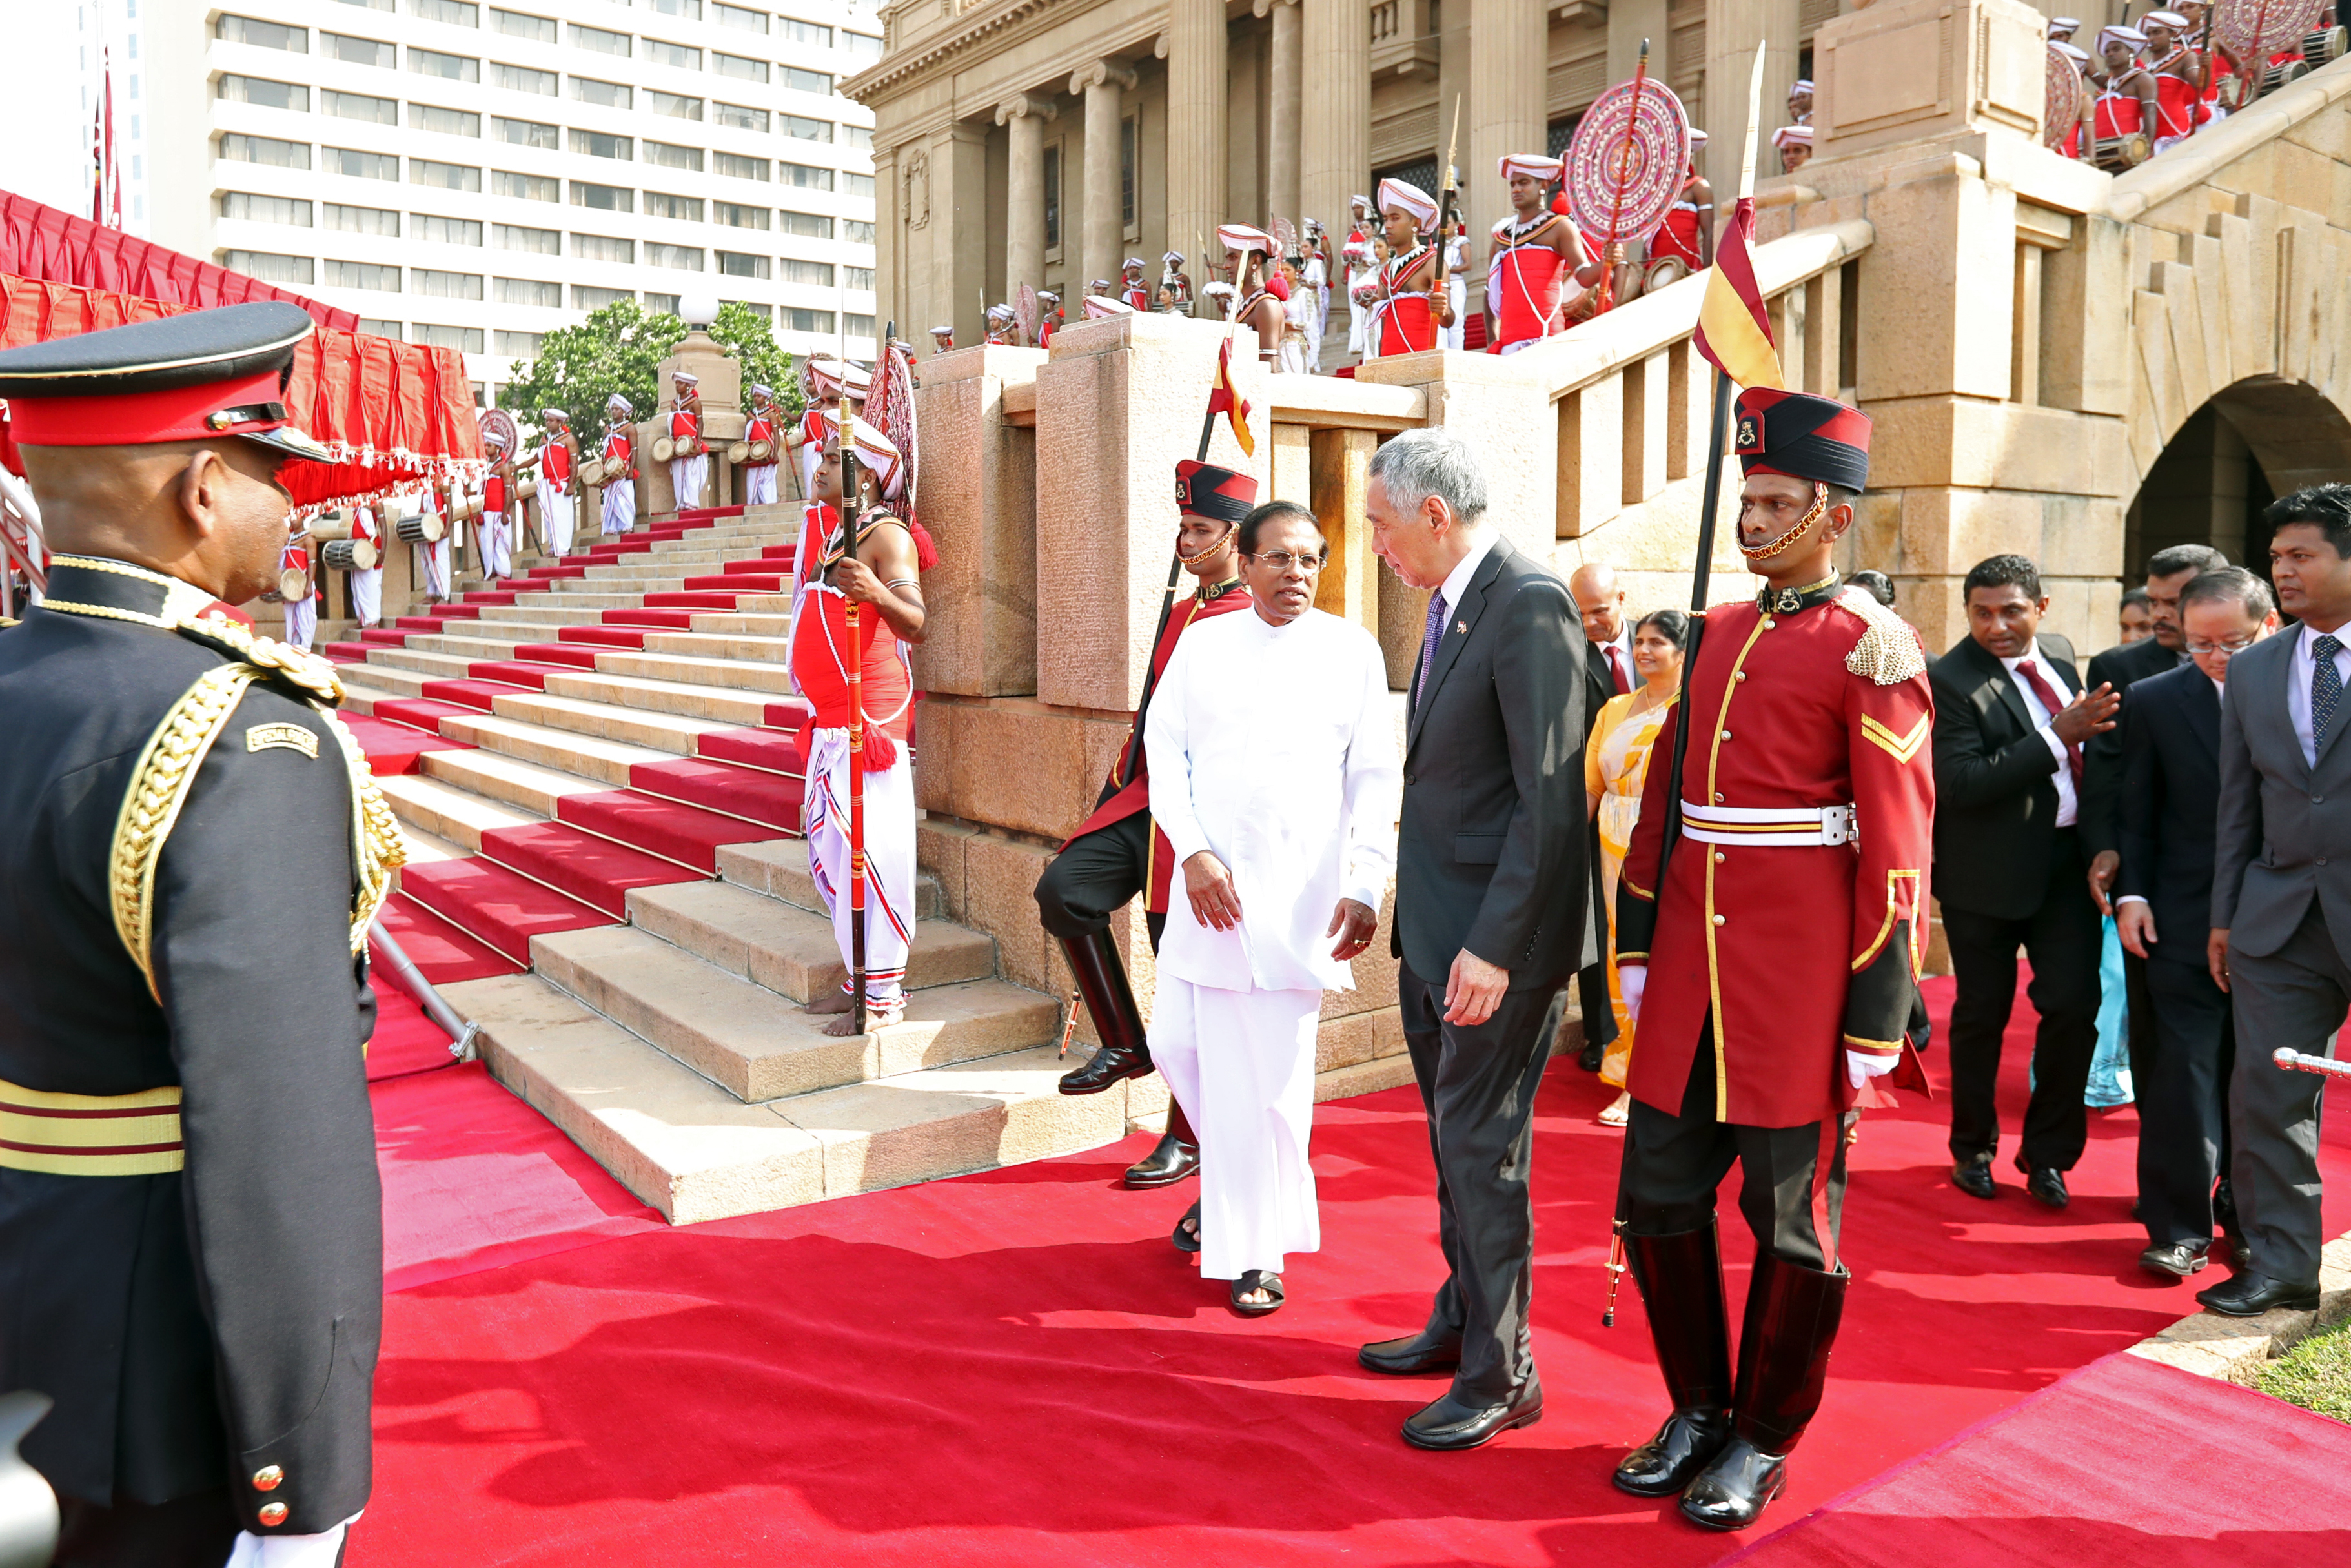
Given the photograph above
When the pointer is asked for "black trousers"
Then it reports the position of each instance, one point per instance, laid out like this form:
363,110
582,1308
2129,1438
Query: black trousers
2183,1102
1095,877
1478,1086
2063,939
195,1532
1674,1163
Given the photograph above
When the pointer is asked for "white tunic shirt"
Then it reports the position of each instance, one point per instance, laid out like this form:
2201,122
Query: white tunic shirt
1274,748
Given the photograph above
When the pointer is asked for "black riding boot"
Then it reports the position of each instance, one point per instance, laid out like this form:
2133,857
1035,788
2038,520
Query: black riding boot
1792,1315
1101,981
1680,1277
1175,1156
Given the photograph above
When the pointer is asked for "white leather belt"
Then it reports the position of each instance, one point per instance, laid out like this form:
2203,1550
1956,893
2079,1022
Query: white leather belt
1770,825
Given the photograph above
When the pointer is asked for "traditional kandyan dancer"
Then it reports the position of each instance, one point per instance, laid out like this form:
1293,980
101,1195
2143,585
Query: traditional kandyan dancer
2128,95
2180,75
1795,145
760,473
687,475
496,540
1003,327
1049,317
881,573
1683,243
1538,262
301,613
1248,252
1410,307
822,380
556,517
193,849
620,465
1118,852
1800,101
366,585
1131,285
1361,266
943,338
1278,787
1809,791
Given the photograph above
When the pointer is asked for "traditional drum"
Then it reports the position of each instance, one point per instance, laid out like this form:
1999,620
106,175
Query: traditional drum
294,585
2117,153
737,453
762,451
349,555
420,529
592,472
1665,270
663,449
688,445
2326,46
2280,74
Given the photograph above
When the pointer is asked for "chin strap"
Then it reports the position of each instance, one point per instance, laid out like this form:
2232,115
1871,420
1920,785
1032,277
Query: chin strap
1820,505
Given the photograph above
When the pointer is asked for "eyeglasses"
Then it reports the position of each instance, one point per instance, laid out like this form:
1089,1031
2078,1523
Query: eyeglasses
1282,560
2222,650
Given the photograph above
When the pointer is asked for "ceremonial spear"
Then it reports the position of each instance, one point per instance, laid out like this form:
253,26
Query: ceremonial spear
851,493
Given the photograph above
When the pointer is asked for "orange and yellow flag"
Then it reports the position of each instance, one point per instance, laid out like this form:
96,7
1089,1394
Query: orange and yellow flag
1226,398
1733,331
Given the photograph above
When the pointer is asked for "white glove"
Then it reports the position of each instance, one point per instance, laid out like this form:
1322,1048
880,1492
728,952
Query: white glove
1861,1066
321,1551
1631,979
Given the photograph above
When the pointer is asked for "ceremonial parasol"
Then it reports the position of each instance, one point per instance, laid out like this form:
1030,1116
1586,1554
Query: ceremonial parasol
498,426
2253,30
1027,310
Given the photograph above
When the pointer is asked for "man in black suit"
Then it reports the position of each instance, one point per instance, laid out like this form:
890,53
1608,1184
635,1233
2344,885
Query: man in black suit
2170,793
1489,912
2010,721
2122,666
1607,672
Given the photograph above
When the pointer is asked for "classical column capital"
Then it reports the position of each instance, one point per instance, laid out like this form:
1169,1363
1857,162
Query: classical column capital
1100,72
1261,9
1021,103
1160,44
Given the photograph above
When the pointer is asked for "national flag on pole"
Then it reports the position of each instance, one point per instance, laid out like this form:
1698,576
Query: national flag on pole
1226,398
1733,333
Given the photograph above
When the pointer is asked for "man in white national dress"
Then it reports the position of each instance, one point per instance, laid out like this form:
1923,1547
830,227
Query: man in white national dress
1274,776
556,517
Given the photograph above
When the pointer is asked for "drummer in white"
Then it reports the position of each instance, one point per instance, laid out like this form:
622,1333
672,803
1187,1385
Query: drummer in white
1274,776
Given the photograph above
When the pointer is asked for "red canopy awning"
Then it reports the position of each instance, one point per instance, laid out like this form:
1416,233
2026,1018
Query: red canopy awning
49,244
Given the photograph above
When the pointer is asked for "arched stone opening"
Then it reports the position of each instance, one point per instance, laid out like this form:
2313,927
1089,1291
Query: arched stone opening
2259,439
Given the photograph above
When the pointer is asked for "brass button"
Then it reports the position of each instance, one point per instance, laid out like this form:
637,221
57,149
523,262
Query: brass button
1719,920
1738,676
272,1513
267,1478
1726,735
1717,857
1717,797
1769,624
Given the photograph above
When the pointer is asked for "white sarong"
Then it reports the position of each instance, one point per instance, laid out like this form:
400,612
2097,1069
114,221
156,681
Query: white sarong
889,860
302,621
759,485
555,519
436,568
497,559
686,475
367,595
620,507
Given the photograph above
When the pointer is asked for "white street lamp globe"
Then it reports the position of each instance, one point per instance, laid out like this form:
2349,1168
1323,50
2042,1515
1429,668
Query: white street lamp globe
697,309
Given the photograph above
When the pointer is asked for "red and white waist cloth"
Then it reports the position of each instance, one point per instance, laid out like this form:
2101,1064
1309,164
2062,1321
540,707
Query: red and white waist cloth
1794,827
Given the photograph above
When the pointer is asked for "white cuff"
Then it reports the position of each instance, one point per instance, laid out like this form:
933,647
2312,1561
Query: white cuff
2129,898
2056,746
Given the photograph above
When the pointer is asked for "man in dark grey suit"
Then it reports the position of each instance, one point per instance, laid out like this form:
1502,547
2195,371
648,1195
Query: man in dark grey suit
1490,909
2281,937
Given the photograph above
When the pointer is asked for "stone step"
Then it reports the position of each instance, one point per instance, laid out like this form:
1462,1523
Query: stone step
448,811
779,869
586,756
672,733
508,779
791,950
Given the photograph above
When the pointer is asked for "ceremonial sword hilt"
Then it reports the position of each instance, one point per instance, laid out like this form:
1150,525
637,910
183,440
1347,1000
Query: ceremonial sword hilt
2287,1057
1616,1272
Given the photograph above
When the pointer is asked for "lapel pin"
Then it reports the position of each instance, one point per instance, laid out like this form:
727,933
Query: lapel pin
1461,626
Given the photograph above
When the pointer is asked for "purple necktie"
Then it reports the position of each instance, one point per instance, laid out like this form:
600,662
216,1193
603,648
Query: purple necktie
1430,638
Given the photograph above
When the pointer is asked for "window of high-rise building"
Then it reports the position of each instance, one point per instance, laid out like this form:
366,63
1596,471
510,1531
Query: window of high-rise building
443,121
739,167
818,273
447,67
661,52
601,40
536,242
531,292
444,231
857,278
797,319
859,326
360,106
370,275
735,65
523,25
689,9
668,155
523,345
261,90
358,165
675,105
443,176
740,17
603,144
352,51
263,34
802,129
807,177
527,187
380,327
602,247
605,94
268,266
441,285
864,45
764,312
857,231
348,219
291,211
682,209
682,257
740,116
267,151
815,34
801,80
456,12
856,184
528,134
808,225
604,198
736,215
523,78
734,263
859,136
464,339
586,297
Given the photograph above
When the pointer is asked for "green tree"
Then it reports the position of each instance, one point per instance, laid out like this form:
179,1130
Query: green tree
620,348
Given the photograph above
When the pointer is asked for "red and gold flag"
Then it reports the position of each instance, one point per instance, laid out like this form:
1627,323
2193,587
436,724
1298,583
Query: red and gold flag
1226,398
1733,331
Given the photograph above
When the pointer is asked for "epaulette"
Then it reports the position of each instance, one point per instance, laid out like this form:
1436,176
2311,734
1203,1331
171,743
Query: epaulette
315,678
1889,651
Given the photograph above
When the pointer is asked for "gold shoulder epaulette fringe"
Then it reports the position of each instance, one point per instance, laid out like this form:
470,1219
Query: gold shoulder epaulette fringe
1888,652
270,657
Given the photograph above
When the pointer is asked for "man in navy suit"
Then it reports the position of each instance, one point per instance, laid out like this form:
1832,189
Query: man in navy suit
2170,791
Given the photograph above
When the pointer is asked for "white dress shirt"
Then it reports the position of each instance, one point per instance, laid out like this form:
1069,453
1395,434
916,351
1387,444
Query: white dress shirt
2069,806
2297,686
1457,582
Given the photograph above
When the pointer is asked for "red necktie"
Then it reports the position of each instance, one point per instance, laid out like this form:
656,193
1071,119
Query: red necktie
1616,668
2056,705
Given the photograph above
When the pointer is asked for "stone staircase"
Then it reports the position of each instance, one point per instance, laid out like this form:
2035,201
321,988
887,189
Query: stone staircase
602,798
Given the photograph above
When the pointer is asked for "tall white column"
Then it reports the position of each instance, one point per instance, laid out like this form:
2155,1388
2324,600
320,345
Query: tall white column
1024,215
1101,225
1732,27
1196,71
1285,98
1509,50
1335,141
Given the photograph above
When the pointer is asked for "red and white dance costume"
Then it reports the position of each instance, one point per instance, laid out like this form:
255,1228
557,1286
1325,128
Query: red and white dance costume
1360,269
821,662
760,473
367,587
2179,106
498,553
301,614
556,517
2118,113
1404,317
687,476
435,556
1131,286
1529,283
821,379
620,453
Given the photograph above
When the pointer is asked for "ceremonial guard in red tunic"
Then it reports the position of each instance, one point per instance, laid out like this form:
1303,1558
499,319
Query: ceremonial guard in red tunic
1116,852
1410,307
620,453
1537,264
760,473
1772,964
687,473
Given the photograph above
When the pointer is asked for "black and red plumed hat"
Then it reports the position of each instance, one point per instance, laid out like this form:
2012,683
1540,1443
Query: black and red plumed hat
1804,436
1205,490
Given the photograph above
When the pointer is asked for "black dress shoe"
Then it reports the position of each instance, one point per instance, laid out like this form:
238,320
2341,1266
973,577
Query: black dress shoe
1168,1162
1685,1445
1446,1423
1974,1178
1730,1493
2225,1207
1110,1064
2180,1259
2249,1294
1413,1354
1589,1056
2044,1184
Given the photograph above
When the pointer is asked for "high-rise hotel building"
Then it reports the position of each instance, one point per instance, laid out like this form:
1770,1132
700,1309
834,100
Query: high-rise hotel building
474,175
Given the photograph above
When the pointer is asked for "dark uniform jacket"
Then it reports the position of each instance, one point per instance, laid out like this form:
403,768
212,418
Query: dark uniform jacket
1995,780
2122,667
2170,793
196,1326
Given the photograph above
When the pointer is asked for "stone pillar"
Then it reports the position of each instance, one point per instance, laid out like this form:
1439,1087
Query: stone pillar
1285,102
1509,50
1336,141
1099,227
1731,28
1195,121
1024,238
958,214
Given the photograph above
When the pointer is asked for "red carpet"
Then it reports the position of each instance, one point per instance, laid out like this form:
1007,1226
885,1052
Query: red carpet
2027,1488
1015,1369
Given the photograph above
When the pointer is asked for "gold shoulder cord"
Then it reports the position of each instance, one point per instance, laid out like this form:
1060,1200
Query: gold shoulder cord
167,770
1888,652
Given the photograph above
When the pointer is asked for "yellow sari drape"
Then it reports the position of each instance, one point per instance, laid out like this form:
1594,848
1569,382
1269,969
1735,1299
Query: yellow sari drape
1616,765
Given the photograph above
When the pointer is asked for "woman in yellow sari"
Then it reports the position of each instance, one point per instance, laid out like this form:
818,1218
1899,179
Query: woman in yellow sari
1616,764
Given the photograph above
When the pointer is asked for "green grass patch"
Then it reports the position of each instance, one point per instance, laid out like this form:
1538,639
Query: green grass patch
2315,1374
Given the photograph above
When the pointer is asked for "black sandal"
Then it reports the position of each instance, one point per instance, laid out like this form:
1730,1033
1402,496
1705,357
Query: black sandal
1187,1240
1257,1280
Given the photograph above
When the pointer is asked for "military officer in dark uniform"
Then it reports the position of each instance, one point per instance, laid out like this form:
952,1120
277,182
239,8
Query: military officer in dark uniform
191,1251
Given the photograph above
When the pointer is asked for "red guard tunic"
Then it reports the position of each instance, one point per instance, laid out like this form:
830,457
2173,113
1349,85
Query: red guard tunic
1404,320
1527,276
1780,957
1118,804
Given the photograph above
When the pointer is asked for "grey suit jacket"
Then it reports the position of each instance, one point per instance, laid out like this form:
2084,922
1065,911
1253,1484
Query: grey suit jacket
1490,852
2283,833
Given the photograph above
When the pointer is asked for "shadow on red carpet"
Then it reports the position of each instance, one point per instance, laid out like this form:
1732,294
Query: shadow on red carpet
1015,1369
